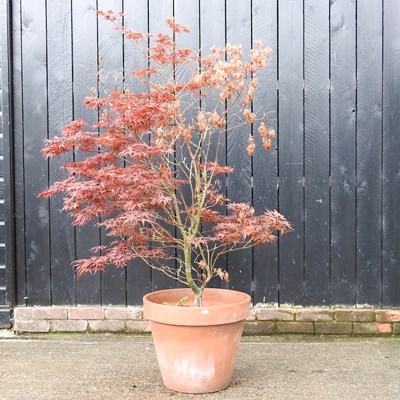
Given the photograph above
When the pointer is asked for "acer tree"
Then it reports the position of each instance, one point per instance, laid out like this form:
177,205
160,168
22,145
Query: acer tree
150,163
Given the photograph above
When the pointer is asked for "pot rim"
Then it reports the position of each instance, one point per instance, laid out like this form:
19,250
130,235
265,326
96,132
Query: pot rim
233,306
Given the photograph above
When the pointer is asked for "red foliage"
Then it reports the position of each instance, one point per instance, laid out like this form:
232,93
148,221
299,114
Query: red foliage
131,175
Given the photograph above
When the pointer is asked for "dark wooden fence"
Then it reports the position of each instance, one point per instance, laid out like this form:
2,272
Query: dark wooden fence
5,231
332,92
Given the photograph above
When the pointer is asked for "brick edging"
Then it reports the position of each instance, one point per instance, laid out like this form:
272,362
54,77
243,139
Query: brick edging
262,320
79,319
327,321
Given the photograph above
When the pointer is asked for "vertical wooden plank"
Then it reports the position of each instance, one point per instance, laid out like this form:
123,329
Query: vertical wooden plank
18,154
84,58
159,11
136,17
59,53
186,12
265,165
36,168
316,151
238,23
212,33
212,25
391,154
111,79
343,151
7,237
291,150
369,149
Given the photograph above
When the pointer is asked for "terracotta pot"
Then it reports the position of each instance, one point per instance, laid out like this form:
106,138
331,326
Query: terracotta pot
197,346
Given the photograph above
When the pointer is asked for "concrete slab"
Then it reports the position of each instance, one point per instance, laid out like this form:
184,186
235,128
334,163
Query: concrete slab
94,366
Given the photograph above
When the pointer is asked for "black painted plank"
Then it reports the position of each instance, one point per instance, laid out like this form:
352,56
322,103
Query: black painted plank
212,33
35,131
2,276
136,17
265,165
369,148
84,69
59,56
290,123
186,12
391,155
18,155
212,26
3,295
343,151
5,318
159,11
111,78
316,152
238,23
7,271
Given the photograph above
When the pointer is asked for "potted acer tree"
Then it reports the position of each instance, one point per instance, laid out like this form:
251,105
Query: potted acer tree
150,169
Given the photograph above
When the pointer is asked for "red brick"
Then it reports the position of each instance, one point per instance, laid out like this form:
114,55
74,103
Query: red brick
50,313
372,328
396,329
32,326
107,325
294,327
69,325
23,313
314,315
385,328
258,328
86,313
355,315
268,314
333,328
124,313
137,326
388,316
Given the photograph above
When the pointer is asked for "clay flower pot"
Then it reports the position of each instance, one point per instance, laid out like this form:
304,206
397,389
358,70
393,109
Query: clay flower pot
196,346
